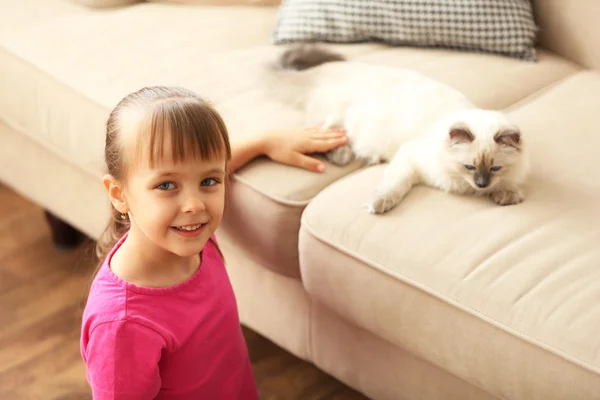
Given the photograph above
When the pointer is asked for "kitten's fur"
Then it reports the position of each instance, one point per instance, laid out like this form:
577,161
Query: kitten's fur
428,131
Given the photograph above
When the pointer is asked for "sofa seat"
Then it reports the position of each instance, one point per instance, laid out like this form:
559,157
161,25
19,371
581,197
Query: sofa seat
218,52
506,298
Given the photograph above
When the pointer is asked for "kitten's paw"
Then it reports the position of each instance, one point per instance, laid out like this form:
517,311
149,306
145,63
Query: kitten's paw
505,198
341,156
380,204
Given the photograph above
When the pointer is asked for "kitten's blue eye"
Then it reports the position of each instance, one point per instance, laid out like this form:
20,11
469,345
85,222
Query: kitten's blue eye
209,182
469,167
496,168
166,186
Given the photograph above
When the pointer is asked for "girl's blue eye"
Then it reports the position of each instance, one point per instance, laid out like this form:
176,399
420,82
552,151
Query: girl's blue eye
209,182
469,167
166,186
496,168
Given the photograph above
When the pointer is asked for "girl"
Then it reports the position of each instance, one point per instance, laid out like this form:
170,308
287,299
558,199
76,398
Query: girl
161,320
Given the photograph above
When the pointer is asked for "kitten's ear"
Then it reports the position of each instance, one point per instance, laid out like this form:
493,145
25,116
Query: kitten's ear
509,137
460,135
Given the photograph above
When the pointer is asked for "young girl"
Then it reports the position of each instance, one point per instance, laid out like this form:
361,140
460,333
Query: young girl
161,320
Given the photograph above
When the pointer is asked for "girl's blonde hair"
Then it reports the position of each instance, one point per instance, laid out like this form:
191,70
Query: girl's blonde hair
194,127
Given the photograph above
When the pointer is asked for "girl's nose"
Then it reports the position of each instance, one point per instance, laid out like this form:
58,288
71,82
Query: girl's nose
193,205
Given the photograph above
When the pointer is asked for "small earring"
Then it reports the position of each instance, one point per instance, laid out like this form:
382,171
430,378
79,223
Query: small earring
124,216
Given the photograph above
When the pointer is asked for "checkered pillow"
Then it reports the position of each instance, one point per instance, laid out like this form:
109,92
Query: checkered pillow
495,26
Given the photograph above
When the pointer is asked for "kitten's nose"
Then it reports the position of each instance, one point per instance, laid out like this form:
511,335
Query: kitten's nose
482,180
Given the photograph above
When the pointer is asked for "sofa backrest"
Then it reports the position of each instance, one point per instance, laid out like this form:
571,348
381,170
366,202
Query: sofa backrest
570,28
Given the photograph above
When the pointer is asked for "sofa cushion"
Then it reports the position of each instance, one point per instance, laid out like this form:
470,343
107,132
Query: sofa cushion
515,290
496,26
105,55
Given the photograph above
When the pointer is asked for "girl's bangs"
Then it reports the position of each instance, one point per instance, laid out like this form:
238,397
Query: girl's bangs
193,129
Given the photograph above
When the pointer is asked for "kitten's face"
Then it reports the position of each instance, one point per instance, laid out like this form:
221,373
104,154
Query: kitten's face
484,148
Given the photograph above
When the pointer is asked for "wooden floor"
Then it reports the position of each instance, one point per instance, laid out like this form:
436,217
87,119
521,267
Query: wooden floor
41,300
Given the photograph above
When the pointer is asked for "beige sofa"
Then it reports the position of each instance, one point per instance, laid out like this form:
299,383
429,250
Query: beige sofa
445,297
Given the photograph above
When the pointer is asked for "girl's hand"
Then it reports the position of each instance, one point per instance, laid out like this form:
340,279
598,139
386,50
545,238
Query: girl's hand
291,146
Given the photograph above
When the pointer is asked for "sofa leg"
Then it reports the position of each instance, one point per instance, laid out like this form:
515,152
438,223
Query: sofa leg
64,236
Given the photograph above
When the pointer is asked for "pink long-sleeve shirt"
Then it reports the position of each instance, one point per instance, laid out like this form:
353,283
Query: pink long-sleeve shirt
178,343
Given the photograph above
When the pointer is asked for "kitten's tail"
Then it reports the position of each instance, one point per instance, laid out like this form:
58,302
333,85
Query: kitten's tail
304,56
291,76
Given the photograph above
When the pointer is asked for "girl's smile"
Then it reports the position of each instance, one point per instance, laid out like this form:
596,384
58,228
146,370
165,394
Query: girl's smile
188,230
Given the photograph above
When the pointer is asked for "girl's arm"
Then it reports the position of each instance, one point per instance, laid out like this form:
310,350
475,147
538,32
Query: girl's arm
121,359
287,147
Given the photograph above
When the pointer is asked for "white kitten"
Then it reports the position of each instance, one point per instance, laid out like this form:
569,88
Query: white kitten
434,134
470,152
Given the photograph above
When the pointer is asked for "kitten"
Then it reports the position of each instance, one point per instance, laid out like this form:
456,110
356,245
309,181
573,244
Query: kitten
438,134
470,152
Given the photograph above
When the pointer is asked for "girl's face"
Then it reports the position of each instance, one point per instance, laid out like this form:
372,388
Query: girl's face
175,206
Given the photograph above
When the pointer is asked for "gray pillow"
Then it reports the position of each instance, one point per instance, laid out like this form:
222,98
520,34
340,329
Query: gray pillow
504,27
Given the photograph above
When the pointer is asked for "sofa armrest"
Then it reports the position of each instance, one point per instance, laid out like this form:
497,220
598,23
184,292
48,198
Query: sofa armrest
570,29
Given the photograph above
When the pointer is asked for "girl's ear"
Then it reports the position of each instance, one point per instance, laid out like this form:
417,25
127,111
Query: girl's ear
114,188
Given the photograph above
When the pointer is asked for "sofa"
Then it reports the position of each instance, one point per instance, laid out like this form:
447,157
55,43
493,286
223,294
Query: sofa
444,297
